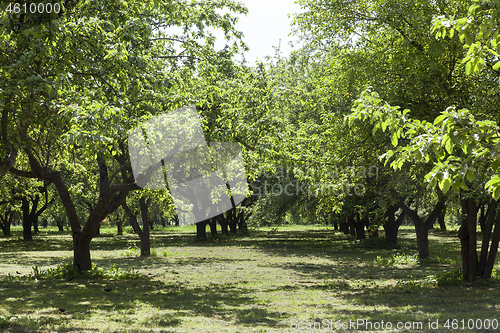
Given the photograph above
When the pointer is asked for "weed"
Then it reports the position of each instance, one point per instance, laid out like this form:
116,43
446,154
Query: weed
408,259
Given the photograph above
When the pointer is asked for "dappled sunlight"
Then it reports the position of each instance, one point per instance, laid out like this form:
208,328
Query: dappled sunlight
263,280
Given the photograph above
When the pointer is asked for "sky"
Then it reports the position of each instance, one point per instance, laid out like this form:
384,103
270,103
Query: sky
265,24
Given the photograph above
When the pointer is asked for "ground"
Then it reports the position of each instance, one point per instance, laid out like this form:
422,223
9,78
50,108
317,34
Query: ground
288,279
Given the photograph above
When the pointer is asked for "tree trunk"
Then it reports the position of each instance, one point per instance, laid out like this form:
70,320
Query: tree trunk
110,198
119,227
344,227
30,216
176,220
489,219
201,231
60,225
231,221
441,217
6,229
35,225
27,220
242,224
359,226
223,224
482,217
422,239
163,222
335,224
81,253
213,227
422,227
390,226
145,239
495,239
144,233
352,226
468,239
6,222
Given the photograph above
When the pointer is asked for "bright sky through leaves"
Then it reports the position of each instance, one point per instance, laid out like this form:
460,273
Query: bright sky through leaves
265,24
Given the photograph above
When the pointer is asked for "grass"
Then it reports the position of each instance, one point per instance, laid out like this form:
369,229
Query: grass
270,281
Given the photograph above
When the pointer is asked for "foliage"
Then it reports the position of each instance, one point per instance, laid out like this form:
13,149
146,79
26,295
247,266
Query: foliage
455,277
456,145
478,31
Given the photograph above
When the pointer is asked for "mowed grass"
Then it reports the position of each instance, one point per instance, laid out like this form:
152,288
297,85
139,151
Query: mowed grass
273,280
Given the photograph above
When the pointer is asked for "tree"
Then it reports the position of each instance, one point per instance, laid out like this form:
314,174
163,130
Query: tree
144,232
74,83
462,153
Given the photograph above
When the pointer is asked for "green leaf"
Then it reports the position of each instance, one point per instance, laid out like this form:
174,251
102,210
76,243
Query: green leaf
444,184
384,125
449,146
463,186
468,38
496,66
460,22
494,181
471,175
468,68
496,193
394,139
496,164
439,119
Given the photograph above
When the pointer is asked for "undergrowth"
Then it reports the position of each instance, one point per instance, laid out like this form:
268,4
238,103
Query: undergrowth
410,259
67,271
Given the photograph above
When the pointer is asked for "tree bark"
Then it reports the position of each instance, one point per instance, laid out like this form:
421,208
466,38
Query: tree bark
242,224
201,230
352,226
482,217
231,221
213,227
422,232
441,221
6,222
335,224
489,219
144,232
223,224
391,226
468,239
145,239
359,226
495,239
422,227
60,225
119,226
81,253
35,225
344,227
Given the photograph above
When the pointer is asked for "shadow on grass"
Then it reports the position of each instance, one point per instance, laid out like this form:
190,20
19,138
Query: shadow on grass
324,262
80,299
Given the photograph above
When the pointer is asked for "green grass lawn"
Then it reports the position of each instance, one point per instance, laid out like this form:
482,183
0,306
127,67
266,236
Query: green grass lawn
270,281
